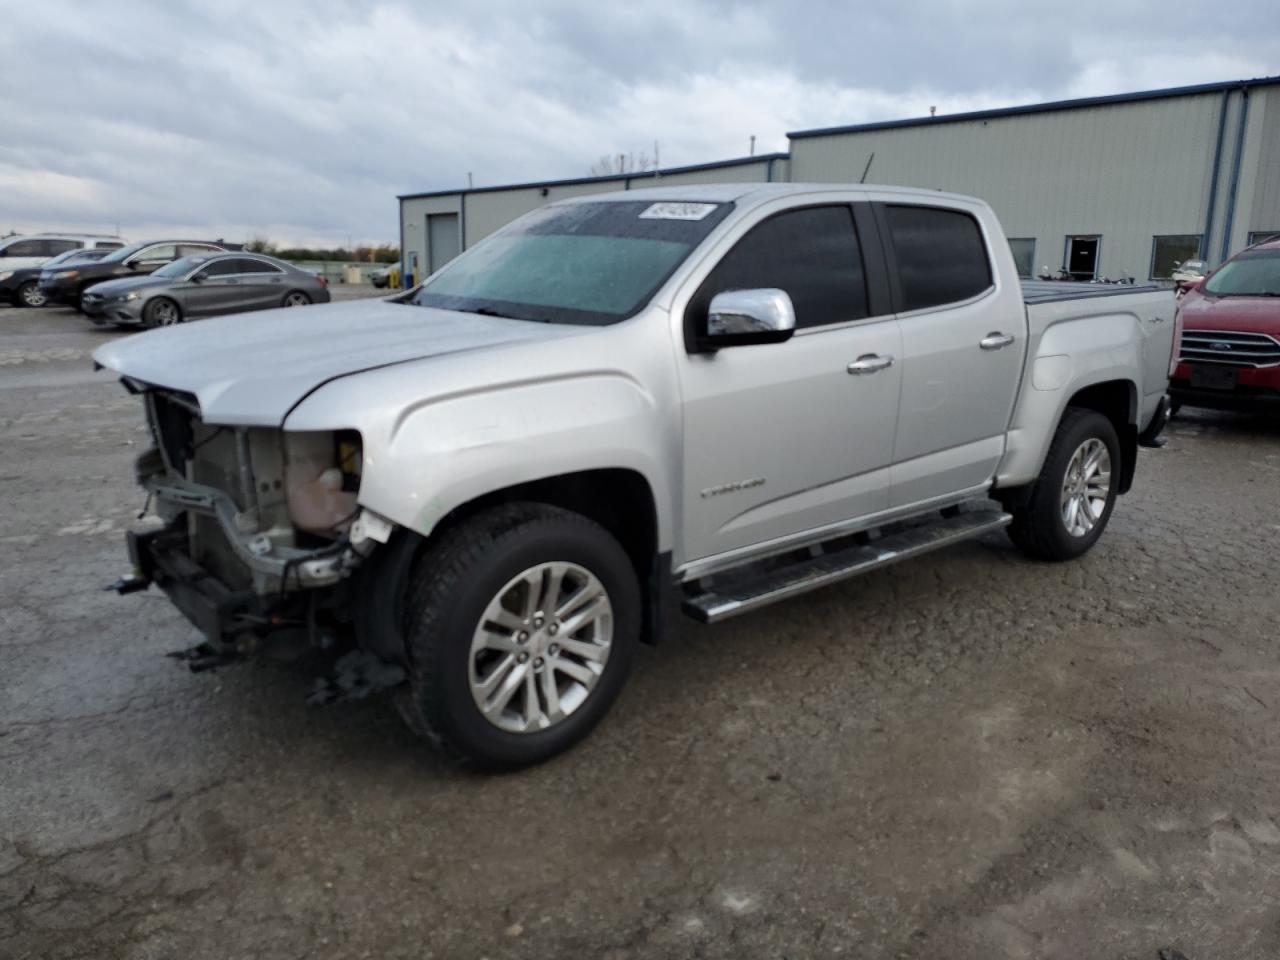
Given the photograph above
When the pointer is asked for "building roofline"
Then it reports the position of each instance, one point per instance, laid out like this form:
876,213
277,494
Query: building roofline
608,178
1048,107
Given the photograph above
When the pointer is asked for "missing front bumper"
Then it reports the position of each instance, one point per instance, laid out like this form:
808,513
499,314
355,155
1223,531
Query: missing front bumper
220,613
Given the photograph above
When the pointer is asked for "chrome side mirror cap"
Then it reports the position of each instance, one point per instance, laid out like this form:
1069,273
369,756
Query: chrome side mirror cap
743,317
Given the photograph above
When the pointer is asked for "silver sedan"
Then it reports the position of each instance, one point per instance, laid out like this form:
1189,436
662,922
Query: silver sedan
206,285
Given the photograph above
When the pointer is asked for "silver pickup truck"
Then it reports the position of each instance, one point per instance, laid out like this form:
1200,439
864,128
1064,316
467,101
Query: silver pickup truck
689,399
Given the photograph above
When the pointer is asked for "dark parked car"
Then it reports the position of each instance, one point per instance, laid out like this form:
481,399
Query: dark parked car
66,284
1230,354
206,285
22,286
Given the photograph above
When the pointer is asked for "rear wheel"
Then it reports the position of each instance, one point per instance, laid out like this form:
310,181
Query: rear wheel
30,295
161,312
296,298
519,634
1070,503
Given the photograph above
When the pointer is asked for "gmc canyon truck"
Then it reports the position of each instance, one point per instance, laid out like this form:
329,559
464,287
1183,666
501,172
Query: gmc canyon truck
688,399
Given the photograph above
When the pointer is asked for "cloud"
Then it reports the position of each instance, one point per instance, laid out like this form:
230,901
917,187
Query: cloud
302,121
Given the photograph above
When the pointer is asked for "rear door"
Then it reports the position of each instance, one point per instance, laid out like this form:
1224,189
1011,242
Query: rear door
214,289
964,337
784,440
262,284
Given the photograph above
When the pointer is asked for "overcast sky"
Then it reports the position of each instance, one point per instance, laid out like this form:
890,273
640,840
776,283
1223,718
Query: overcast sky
302,121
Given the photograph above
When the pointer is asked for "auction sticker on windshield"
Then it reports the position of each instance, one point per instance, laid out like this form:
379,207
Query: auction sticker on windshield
676,211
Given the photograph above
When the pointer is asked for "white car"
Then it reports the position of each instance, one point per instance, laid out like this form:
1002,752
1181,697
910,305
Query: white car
1188,272
31,250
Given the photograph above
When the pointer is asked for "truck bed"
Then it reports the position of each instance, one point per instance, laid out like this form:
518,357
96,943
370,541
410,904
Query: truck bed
1051,291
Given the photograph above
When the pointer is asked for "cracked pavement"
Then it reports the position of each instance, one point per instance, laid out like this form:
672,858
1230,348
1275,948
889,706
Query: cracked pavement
970,755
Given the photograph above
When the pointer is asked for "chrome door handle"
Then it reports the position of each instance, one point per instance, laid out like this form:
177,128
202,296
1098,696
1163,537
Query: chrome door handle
995,341
869,363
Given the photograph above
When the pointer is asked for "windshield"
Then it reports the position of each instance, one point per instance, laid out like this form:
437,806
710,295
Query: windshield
1248,275
123,252
180,267
589,263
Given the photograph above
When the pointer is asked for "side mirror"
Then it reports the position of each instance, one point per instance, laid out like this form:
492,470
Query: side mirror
739,318
197,277
131,264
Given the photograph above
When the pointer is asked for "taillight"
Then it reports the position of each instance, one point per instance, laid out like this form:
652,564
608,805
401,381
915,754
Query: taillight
1177,339
324,281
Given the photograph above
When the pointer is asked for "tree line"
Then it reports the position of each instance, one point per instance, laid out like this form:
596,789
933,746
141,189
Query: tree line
383,253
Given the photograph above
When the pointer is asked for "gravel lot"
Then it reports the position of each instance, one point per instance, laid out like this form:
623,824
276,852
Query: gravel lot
967,756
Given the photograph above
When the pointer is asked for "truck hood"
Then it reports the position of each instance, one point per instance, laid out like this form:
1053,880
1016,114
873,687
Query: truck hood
252,369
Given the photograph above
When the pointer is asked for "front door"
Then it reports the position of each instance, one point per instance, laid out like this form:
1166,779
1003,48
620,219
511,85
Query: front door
963,340
781,440
1082,257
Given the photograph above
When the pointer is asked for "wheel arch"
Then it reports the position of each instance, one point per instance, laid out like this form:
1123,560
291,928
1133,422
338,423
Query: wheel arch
621,500
1117,400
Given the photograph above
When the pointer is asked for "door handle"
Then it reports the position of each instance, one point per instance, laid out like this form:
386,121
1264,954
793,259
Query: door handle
869,363
995,341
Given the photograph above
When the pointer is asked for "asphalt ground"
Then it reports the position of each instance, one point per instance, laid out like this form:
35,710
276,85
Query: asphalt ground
966,756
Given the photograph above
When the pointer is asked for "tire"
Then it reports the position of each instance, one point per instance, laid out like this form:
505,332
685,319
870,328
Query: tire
30,295
458,580
295,298
161,312
1046,526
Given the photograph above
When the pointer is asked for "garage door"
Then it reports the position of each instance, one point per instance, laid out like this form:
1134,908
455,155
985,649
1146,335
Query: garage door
442,239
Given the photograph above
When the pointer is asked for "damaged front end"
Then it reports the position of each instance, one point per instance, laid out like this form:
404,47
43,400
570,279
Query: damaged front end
261,529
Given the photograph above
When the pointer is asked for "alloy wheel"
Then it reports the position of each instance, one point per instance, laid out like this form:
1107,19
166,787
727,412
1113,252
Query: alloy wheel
1086,487
541,647
32,296
296,300
165,313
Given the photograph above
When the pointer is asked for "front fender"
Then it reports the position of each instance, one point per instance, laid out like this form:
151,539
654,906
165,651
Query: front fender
429,456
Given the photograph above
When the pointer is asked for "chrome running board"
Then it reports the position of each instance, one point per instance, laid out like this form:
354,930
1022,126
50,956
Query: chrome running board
759,584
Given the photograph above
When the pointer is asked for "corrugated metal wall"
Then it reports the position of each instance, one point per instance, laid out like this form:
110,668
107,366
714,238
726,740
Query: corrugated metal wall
1127,172
1265,212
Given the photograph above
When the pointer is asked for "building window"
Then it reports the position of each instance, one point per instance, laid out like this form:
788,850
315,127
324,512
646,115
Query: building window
1258,236
1024,254
1168,252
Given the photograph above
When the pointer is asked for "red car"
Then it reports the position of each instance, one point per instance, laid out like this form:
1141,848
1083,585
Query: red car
1230,354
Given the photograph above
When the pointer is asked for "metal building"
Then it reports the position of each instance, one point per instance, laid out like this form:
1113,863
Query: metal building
435,227
1107,186
1118,186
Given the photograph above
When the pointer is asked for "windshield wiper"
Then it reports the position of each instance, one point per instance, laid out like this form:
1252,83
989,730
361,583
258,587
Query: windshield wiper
490,312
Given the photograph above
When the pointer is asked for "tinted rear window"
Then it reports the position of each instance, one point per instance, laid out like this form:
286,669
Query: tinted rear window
941,256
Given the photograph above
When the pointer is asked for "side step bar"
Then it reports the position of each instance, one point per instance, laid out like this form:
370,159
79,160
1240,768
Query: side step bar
736,592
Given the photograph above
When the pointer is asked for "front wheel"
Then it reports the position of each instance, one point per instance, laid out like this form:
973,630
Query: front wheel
519,634
30,295
1069,505
161,312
